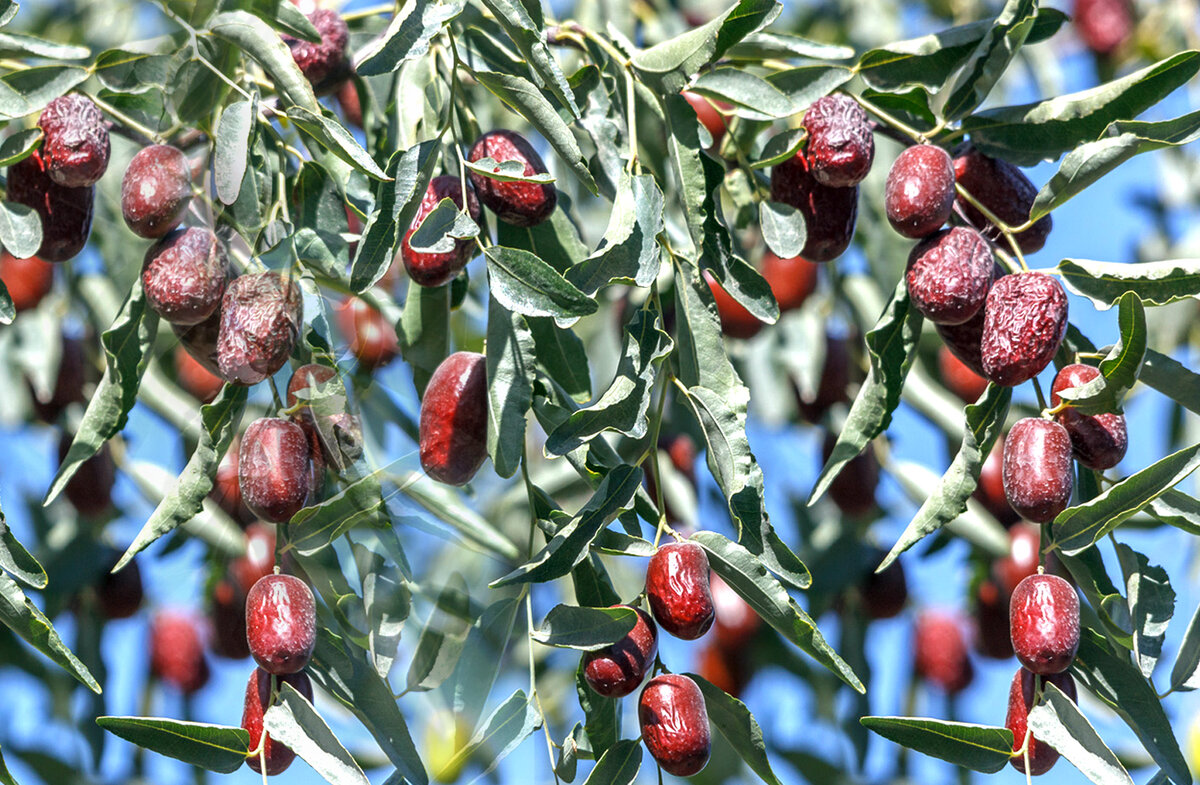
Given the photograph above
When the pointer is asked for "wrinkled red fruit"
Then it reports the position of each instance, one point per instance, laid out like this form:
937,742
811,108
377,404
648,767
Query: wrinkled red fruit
257,562
177,652
1025,319
227,615
273,468
990,490
617,670
678,591
75,144
959,378
840,145
829,213
1099,441
453,429
736,321
261,316
708,112
318,60
258,700
727,670
949,274
200,341
835,377
965,340
919,194
281,623
434,268
184,275
156,190
941,652
884,593
1103,25
1042,757
372,340
853,490
1007,194
1044,622
65,213
792,280
674,723
516,203
120,594
27,280
991,622
1037,469
1024,546
736,622
201,384
90,489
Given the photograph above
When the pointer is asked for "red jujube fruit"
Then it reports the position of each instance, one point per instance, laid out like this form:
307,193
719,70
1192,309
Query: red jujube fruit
919,192
435,268
1044,622
829,213
1099,441
514,202
274,471
1025,320
841,147
1042,757
678,590
258,700
453,427
674,723
281,623
1038,479
617,670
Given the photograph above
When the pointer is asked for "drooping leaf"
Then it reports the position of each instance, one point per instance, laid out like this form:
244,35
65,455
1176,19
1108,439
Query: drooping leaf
1151,605
20,229
510,386
218,748
443,637
17,561
1057,722
524,284
1156,283
407,37
1171,378
510,724
585,629
978,747
629,251
293,722
24,618
231,149
1119,370
256,38
991,58
618,765
734,721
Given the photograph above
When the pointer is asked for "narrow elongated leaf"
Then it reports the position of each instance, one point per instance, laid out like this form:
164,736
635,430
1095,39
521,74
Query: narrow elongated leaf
1057,722
991,58
524,284
217,748
1156,283
20,229
1172,379
1185,673
1151,605
407,37
17,44
443,638
17,561
745,89
585,629
561,354
807,83
256,38
510,386
978,747
510,724
734,721
27,91
1177,509
334,137
231,149
26,620
293,722
629,251
523,23
618,765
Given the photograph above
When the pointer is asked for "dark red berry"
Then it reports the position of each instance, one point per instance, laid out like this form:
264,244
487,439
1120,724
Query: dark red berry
674,723
1037,469
1042,757
792,280
90,489
516,203
617,670
1007,194
65,213
372,339
274,473
884,593
853,490
829,213
258,700
261,315
75,145
120,593
990,490
226,491
965,340
27,280
348,100
835,378
1025,319
1099,441
453,428
281,623
919,193
1104,25
202,384
318,60
156,190
678,591
941,652
736,320
949,274
959,378
727,670
184,275
177,651
200,340
841,147
1044,621
435,268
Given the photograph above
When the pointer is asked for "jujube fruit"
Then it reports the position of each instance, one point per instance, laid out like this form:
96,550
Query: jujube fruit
1099,441
617,670
515,202
200,340
853,489
156,190
965,341
281,623
372,339
1037,469
919,193
726,669
75,144
841,147
1042,757
1103,25
227,616
435,268
792,281
1025,320
119,594
708,114
65,213
201,383
941,652
27,280
990,489
317,60
1044,622
1021,561
258,699
736,320
348,100
949,274
90,489
226,491
959,377
1006,193
678,591
829,213
993,638
453,426
674,724
177,651
339,433
274,473
184,275
884,593
261,316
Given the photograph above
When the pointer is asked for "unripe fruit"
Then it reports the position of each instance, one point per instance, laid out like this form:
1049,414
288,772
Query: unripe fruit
75,145
829,213
840,145
273,468
120,594
227,615
1099,441
853,490
1024,547
709,115
65,213
1042,757
1037,469
1044,622
68,382
792,281
372,339
281,623
90,489
517,203
919,193
736,622
617,670
674,723
156,190
959,378
835,377
993,638
202,384
184,275
1025,320
434,268
990,490
200,341
177,652
258,700
941,652
884,593
261,316
259,560
736,320
678,590
453,428
965,340
949,274
1103,25
1007,194
318,60
27,280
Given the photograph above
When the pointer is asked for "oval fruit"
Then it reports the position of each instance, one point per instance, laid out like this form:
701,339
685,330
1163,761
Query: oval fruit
1025,319
27,280
202,384
919,193
156,190
736,320
829,213
1024,550
674,723
261,315
453,428
372,339
841,147
176,651
184,275
993,638
959,378
792,281
1007,194
319,59
1042,757
617,670
949,274
1044,622
678,590
274,473
227,618
1099,441
853,490
1038,479
884,593
941,652
515,202
835,378
75,144
65,213
258,700
436,268
281,623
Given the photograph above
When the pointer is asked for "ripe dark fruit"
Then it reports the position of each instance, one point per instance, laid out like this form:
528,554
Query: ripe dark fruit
709,115
226,492
1024,545
120,593
674,723
435,268
68,382
453,429
884,593
200,341
156,190
75,145
1025,319
65,213
736,321
281,623
941,652
227,614
337,432
261,316
90,489
1042,757
919,194
965,340
258,700
184,275
792,280
1099,440
840,145
678,591
202,384
273,468
1103,25
829,213
853,490
617,670
372,339
177,652
516,203
949,274
27,280
991,621
1037,469
990,490
1044,622
318,60
736,622
959,378
1007,194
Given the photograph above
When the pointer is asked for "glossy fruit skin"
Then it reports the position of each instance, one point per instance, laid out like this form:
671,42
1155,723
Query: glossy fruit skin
919,193
227,616
617,670
90,489
156,190
68,382
678,591
434,268
75,145
1044,621
1005,191
65,213
200,341
120,594
884,593
1038,479
372,340
318,60
281,623
1024,547
993,638
1099,441
274,472
941,652
841,147
261,315
853,490
516,203
990,490
27,280
959,378
1025,320
1103,25
829,213
258,700
835,377
1042,757
709,115
736,622
674,723
949,274
184,275
792,281
736,320
453,427
177,652
965,340
201,384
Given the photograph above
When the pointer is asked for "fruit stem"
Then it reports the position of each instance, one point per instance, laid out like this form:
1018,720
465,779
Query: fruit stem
894,122
126,120
1004,228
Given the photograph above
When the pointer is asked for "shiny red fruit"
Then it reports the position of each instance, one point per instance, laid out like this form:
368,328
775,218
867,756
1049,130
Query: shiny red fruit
258,700
959,378
829,213
453,428
949,274
1104,25
919,193
1038,476
226,491
736,321
281,623
156,190
678,590
274,471
617,670
1042,757
75,144
514,202
27,280
436,268
941,652
257,562
841,147
261,316
674,724
201,384
65,213
1099,441
1025,320
177,651
1044,621
1007,194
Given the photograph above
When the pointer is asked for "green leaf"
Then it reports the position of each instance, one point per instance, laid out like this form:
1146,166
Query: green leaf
783,228
293,722
767,45
585,629
440,230
232,149
1172,379
1151,605
991,58
23,617
618,765
288,17
6,777
20,229
443,638
17,561
807,83
1057,722
568,755
510,386
1178,510
978,747
744,89
8,312
510,724
780,147
426,333
16,44
407,37
18,147
524,284
482,658
1185,673
600,715
526,31
256,38
214,747
27,91
507,171
447,505
629,251
1119,370
334,137
138,67
1156,283
561,354
734,721
555,240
